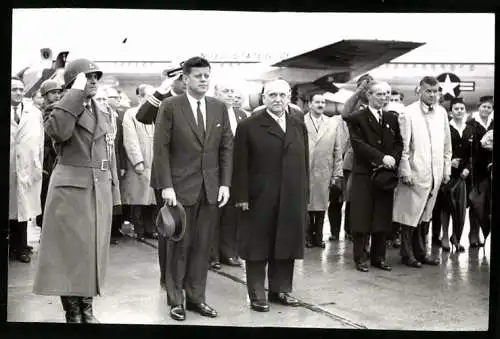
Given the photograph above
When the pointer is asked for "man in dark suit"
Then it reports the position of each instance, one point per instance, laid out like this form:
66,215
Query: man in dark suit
270,185
192,163
376,142
224,240
146,114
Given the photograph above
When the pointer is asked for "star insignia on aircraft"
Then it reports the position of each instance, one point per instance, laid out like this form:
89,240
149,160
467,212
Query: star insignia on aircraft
449,84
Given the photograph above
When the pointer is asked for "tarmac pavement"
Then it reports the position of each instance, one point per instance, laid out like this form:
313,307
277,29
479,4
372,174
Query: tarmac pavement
450,297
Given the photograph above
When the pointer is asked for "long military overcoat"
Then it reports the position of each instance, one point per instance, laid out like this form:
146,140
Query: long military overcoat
83,188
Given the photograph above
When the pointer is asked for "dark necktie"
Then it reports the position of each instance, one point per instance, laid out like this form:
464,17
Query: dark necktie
199,118
380,117
16,115
431,108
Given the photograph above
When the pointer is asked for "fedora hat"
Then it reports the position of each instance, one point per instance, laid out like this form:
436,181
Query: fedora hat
384,179
171,222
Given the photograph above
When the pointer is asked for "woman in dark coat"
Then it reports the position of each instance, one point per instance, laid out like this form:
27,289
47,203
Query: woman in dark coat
481,122
454,194
82,190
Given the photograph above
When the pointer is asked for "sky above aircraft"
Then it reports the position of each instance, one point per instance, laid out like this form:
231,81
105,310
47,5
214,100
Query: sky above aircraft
160,35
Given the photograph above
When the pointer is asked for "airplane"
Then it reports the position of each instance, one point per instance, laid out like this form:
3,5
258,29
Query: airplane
329,68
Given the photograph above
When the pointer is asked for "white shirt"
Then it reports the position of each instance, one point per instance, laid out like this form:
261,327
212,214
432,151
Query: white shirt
375,112
232,120
476,117
316,121
460,128
281,120
194,106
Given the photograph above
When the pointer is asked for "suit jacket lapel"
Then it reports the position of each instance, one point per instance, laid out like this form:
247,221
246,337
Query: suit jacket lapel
23,118
323,128
290,125
311,129
374,124
271,126
189,115
210,109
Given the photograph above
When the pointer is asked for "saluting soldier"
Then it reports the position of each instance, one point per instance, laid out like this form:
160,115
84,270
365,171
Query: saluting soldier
82,191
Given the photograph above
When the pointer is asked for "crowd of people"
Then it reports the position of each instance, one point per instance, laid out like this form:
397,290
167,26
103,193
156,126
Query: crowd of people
250,187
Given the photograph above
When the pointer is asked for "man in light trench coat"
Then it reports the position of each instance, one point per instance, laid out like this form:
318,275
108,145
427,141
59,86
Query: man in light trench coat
25,174
425,165
82,190
325,136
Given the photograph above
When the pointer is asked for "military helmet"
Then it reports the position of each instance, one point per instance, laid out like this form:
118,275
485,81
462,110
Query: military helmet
77,66
49,85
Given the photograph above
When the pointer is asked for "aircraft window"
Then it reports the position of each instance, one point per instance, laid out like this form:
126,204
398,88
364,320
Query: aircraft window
472,67
452,67
414,65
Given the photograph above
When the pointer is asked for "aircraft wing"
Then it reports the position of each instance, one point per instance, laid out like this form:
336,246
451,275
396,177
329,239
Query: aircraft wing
351,57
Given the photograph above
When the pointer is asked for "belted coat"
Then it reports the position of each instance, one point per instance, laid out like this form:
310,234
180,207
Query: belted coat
82,190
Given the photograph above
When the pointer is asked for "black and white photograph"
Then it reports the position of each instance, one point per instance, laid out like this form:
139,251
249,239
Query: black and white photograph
251,169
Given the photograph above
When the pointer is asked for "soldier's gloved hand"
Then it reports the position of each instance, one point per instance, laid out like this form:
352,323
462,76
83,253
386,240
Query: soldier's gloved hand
80,81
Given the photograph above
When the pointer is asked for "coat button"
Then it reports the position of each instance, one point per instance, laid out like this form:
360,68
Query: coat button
379,141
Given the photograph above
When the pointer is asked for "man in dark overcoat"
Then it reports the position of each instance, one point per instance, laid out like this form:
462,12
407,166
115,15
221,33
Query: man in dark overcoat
192,164
270,185
376,142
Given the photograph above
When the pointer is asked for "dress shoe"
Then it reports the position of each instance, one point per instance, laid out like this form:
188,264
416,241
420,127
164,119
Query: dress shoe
430,261
320,244
24,257
215,265
202,309
382,265
153,235
333,238
476,244
259,306
138,236
178,313
231,262
283,298
412,263
361,267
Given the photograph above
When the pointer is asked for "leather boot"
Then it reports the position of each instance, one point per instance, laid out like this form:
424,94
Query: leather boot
71,306
86,311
